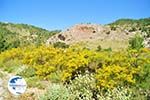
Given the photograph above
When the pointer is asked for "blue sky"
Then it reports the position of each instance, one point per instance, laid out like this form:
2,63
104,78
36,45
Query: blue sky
61,14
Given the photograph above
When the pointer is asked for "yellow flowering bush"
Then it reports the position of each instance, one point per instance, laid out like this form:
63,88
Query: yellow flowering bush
43,59
15,53
47,60
75,62
110,68
114,75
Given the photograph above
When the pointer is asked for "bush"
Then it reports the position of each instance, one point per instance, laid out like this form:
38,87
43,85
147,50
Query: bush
60,45
108,49
56,92
145,77
107,69
113,28
8,40
136,42
35,82
112,76
43,59
118,93
83,87
27,72
99,48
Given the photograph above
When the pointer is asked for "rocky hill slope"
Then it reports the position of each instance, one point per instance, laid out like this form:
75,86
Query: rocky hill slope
114,35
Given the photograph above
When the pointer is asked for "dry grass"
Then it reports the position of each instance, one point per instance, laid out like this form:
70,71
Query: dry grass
114,45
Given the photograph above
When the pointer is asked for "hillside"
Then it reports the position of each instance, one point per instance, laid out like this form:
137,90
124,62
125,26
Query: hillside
85,62
115,35
141,26
14,35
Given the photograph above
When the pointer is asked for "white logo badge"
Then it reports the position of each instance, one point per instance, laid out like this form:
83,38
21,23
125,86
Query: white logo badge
17,85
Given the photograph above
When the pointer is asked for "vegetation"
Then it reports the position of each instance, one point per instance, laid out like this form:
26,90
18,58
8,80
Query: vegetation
16,35
107,69
145,21
136,42
8,40
133,25
73,72
60,45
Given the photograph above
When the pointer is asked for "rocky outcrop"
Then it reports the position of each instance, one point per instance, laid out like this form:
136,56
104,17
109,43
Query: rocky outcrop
90,32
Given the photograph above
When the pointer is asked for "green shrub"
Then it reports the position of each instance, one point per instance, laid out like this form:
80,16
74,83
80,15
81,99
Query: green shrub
56,92
132,29
11,66
113,28
8,40
108,49
60,45
99,48
27,72
144,79
136,42
55,77
34,82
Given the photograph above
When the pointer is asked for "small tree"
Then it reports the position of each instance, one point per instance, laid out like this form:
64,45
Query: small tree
136,42
99,48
